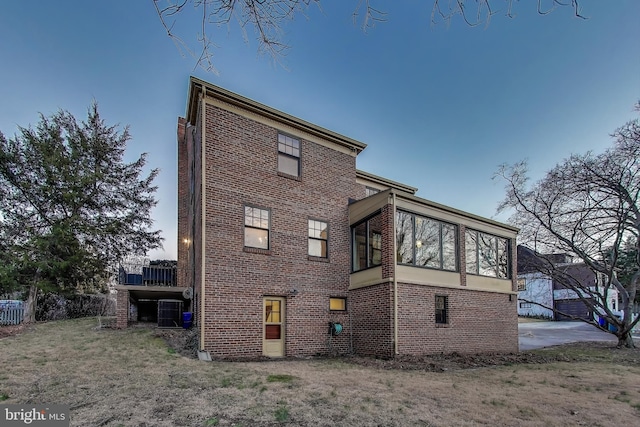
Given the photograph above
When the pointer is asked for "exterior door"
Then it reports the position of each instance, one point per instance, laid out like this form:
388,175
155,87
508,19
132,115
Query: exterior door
273,327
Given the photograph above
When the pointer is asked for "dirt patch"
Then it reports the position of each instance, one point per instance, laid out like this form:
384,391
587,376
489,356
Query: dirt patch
11,330
182,341
185,343
455,361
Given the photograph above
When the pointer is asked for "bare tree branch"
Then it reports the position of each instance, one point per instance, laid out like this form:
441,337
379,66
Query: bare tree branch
371,15
265,19
589,206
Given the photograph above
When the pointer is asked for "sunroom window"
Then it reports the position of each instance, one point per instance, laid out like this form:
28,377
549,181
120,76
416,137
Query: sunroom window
366,243
425,242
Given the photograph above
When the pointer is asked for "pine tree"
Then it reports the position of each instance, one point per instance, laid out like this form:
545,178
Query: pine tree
70,206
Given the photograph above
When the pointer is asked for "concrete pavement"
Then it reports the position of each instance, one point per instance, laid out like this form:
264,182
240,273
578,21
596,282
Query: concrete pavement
545,334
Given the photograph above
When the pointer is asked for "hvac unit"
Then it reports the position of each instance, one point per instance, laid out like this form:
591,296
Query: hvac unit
169,313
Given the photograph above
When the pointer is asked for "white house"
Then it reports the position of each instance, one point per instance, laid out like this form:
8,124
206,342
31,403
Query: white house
539,294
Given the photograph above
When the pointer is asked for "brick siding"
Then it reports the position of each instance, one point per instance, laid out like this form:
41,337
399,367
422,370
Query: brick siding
241,168
479,322
122,308
372,316
183,205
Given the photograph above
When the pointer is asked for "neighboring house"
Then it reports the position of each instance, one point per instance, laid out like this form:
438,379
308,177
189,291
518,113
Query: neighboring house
538,292
292,251
535,295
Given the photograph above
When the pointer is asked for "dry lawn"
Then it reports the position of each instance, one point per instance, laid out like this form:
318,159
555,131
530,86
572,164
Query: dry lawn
132,378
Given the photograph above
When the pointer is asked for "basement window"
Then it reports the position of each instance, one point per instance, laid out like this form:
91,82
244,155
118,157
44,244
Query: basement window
337,304
442,315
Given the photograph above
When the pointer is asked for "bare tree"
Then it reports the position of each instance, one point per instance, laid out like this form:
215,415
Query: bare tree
265,19
479,12
587,206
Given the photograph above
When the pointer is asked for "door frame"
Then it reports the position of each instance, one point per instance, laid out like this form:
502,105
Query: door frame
274,347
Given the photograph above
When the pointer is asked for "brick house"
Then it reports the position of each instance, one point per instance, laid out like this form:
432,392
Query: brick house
284,242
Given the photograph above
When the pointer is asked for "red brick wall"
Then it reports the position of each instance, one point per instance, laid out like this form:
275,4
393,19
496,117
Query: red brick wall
183,203
514,264
189,210
371,311
479,322
462,251
122,308
195,214
387,220
241,168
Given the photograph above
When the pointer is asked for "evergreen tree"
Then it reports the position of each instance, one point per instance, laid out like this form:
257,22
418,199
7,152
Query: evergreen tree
70,206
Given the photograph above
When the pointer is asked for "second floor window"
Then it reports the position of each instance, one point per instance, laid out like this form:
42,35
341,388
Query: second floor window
318,238
288,155
256,227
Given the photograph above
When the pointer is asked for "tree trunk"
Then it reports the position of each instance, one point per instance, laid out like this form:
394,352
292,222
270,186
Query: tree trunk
626,340
30,309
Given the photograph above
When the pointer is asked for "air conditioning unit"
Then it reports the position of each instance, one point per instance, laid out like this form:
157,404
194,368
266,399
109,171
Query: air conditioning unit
169,313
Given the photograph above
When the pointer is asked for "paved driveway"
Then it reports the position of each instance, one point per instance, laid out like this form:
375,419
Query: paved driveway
544,334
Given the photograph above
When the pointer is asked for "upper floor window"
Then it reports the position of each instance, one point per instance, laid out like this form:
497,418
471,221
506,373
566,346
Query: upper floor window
366,243
256,227
487,255
318,238
288,155
425,242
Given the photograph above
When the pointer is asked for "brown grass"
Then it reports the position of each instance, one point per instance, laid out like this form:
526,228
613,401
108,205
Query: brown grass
131,378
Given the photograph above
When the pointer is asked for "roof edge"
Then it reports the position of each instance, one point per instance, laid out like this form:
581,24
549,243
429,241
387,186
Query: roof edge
197,87
453,210
385,181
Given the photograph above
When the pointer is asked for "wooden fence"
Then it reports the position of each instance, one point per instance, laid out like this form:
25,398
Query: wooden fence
11,316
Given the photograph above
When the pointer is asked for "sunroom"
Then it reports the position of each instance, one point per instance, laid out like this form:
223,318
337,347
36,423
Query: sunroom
425,275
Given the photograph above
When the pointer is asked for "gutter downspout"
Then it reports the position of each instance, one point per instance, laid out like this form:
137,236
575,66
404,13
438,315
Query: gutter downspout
203,199
395,276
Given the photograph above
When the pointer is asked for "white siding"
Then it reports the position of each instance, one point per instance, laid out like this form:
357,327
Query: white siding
539,289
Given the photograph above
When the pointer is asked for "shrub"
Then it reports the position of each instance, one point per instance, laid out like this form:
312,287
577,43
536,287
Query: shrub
57,307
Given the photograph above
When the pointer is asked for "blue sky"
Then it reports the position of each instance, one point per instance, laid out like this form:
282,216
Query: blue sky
440,107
